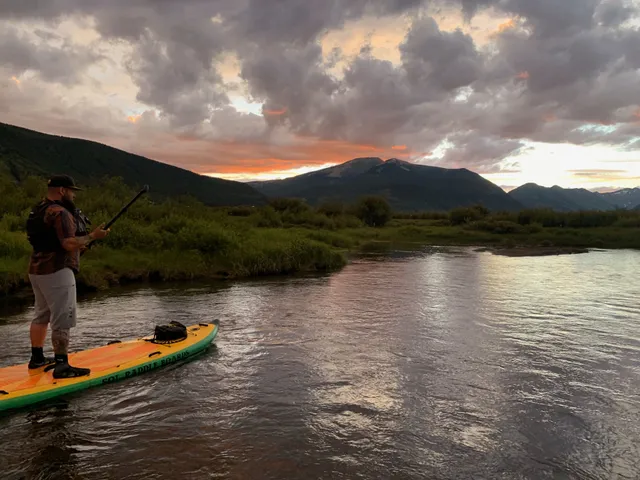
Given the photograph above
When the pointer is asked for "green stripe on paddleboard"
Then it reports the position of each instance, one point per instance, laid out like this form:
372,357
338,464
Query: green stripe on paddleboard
178,356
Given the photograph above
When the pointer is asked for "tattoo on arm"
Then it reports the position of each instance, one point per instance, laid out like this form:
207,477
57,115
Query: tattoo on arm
74,243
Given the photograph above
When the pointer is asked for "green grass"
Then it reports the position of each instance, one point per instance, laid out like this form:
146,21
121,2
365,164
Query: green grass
181,239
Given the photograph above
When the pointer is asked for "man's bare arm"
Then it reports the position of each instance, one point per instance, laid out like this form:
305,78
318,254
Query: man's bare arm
76,243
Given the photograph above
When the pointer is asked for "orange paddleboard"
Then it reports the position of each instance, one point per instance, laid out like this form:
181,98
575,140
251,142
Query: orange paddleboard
20,386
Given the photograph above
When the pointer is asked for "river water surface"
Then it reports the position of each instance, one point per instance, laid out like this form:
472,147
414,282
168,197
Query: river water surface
443,364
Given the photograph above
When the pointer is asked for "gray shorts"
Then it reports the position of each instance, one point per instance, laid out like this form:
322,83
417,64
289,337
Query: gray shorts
55,299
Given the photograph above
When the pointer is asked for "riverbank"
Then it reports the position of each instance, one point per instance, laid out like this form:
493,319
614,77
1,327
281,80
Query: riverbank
182,239
240,252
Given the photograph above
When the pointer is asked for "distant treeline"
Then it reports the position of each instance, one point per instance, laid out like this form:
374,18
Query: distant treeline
544,217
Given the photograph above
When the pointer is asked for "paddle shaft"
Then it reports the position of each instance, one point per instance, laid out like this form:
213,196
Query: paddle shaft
123,210
126,207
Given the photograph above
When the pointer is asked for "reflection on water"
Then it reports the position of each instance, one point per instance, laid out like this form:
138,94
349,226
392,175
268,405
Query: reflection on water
445,363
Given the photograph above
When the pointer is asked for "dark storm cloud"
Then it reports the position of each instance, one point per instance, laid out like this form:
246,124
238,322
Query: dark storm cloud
439,60
554,17
612,13
290,79
480,151
181,81
563,66
301,21
374,101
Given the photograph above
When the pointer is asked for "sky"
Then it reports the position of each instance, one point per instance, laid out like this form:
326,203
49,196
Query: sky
544,91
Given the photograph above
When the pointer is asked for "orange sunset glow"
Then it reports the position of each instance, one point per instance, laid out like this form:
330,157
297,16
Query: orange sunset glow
507,25
244,160
275,112
502,28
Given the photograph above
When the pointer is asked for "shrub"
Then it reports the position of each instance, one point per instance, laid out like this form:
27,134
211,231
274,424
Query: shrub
331,238
291,205
499,227
462,215
260,256
173,223
13,223
374,211
267,217
331,208
205,237
14,245
422,216
533,228
241,211
348,221
308,218
631,222
544,216
133,234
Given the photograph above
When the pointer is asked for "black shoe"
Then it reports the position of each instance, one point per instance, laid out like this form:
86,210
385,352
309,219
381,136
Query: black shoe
64,370
41,362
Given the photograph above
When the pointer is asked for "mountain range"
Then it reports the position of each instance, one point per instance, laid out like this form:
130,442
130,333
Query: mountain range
628,198
407,186
410,186
560,199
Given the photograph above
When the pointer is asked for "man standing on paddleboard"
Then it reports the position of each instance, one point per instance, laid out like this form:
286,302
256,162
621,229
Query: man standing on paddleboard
52,228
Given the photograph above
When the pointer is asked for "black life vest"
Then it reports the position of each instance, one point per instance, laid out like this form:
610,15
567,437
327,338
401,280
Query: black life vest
42,237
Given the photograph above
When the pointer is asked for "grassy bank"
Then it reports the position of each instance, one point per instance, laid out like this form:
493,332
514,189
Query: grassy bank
183,239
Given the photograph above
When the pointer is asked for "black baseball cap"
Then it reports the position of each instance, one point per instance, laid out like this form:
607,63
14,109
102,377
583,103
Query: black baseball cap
63,181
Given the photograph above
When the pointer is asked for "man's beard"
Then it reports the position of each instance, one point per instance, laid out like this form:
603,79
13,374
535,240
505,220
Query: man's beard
68,204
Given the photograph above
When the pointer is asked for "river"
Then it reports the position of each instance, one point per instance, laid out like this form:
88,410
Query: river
445,363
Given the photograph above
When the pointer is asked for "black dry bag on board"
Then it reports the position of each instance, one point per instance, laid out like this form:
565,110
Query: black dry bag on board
174,332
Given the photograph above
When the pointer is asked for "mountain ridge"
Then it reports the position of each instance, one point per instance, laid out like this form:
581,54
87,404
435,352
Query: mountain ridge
532,195
625,198
28,152
406,185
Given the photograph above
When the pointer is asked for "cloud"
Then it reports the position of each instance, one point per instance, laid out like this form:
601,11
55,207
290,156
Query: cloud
293,81
58,61
554,71
443,61
612,13
300,22
597,172
176,80
480,151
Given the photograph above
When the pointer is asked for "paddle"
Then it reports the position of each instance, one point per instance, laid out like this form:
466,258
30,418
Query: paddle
126,207
123,210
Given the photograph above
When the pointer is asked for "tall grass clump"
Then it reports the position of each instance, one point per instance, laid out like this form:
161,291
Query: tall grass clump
274,252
